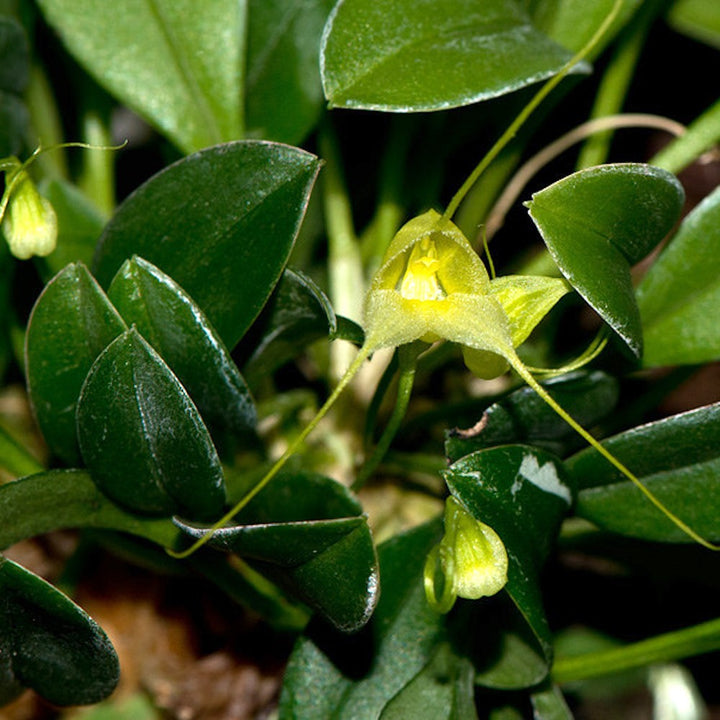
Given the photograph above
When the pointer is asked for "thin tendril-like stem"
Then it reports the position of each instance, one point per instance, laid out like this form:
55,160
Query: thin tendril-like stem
526,375
550,152
525,113
408,365
280,463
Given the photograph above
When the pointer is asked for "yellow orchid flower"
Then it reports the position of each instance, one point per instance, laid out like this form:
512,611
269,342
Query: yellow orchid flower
469,562
30,223
432,285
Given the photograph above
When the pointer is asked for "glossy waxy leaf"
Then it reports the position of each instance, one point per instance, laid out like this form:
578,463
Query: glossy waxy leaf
354,677
14,74
406,649
443,690
308,534
177,329
600,221
221,223
409,56
699,19
523,417
71,324
58,499
677,458
679,295
282,88
176,63
79,225
142,438
49,644
523,494
297,314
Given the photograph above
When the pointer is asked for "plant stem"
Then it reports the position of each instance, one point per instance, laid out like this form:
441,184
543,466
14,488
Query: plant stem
346,281
525,113
615,83
407,362
46,123
16,459
389,211
662,648
280,463
700,137
97,179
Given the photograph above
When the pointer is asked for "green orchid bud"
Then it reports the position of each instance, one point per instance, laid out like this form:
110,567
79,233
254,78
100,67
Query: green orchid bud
30,223
432,285
469,562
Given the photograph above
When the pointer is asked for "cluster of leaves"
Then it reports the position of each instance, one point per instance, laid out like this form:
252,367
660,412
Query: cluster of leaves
158,327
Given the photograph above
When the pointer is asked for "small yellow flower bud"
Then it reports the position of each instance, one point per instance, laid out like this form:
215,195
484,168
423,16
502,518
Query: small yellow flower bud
470,561
30,223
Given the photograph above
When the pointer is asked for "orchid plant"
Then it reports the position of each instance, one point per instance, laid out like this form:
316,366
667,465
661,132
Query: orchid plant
178,344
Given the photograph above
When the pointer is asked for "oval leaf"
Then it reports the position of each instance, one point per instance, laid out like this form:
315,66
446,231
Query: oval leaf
221,223
679,295
169,320
142,438
296,315
71,324
524,417
409,56
352,678
283,91
177,65
54,647
521,493
677,458
600,221
308,534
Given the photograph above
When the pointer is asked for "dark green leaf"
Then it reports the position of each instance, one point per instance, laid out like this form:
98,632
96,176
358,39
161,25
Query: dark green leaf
522,494
677,458
79,225
410,55
221,223
443,690
283,91
297,314
523,417
352,678
307,533
176,63
169,320
142,438
600,221
14,74
699,19
60,499
71,324
54,647
679,295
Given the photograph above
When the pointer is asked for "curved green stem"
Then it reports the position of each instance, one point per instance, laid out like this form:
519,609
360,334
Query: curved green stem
280,463
615,82
527,376
700,137
662,648
407,359
528,110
